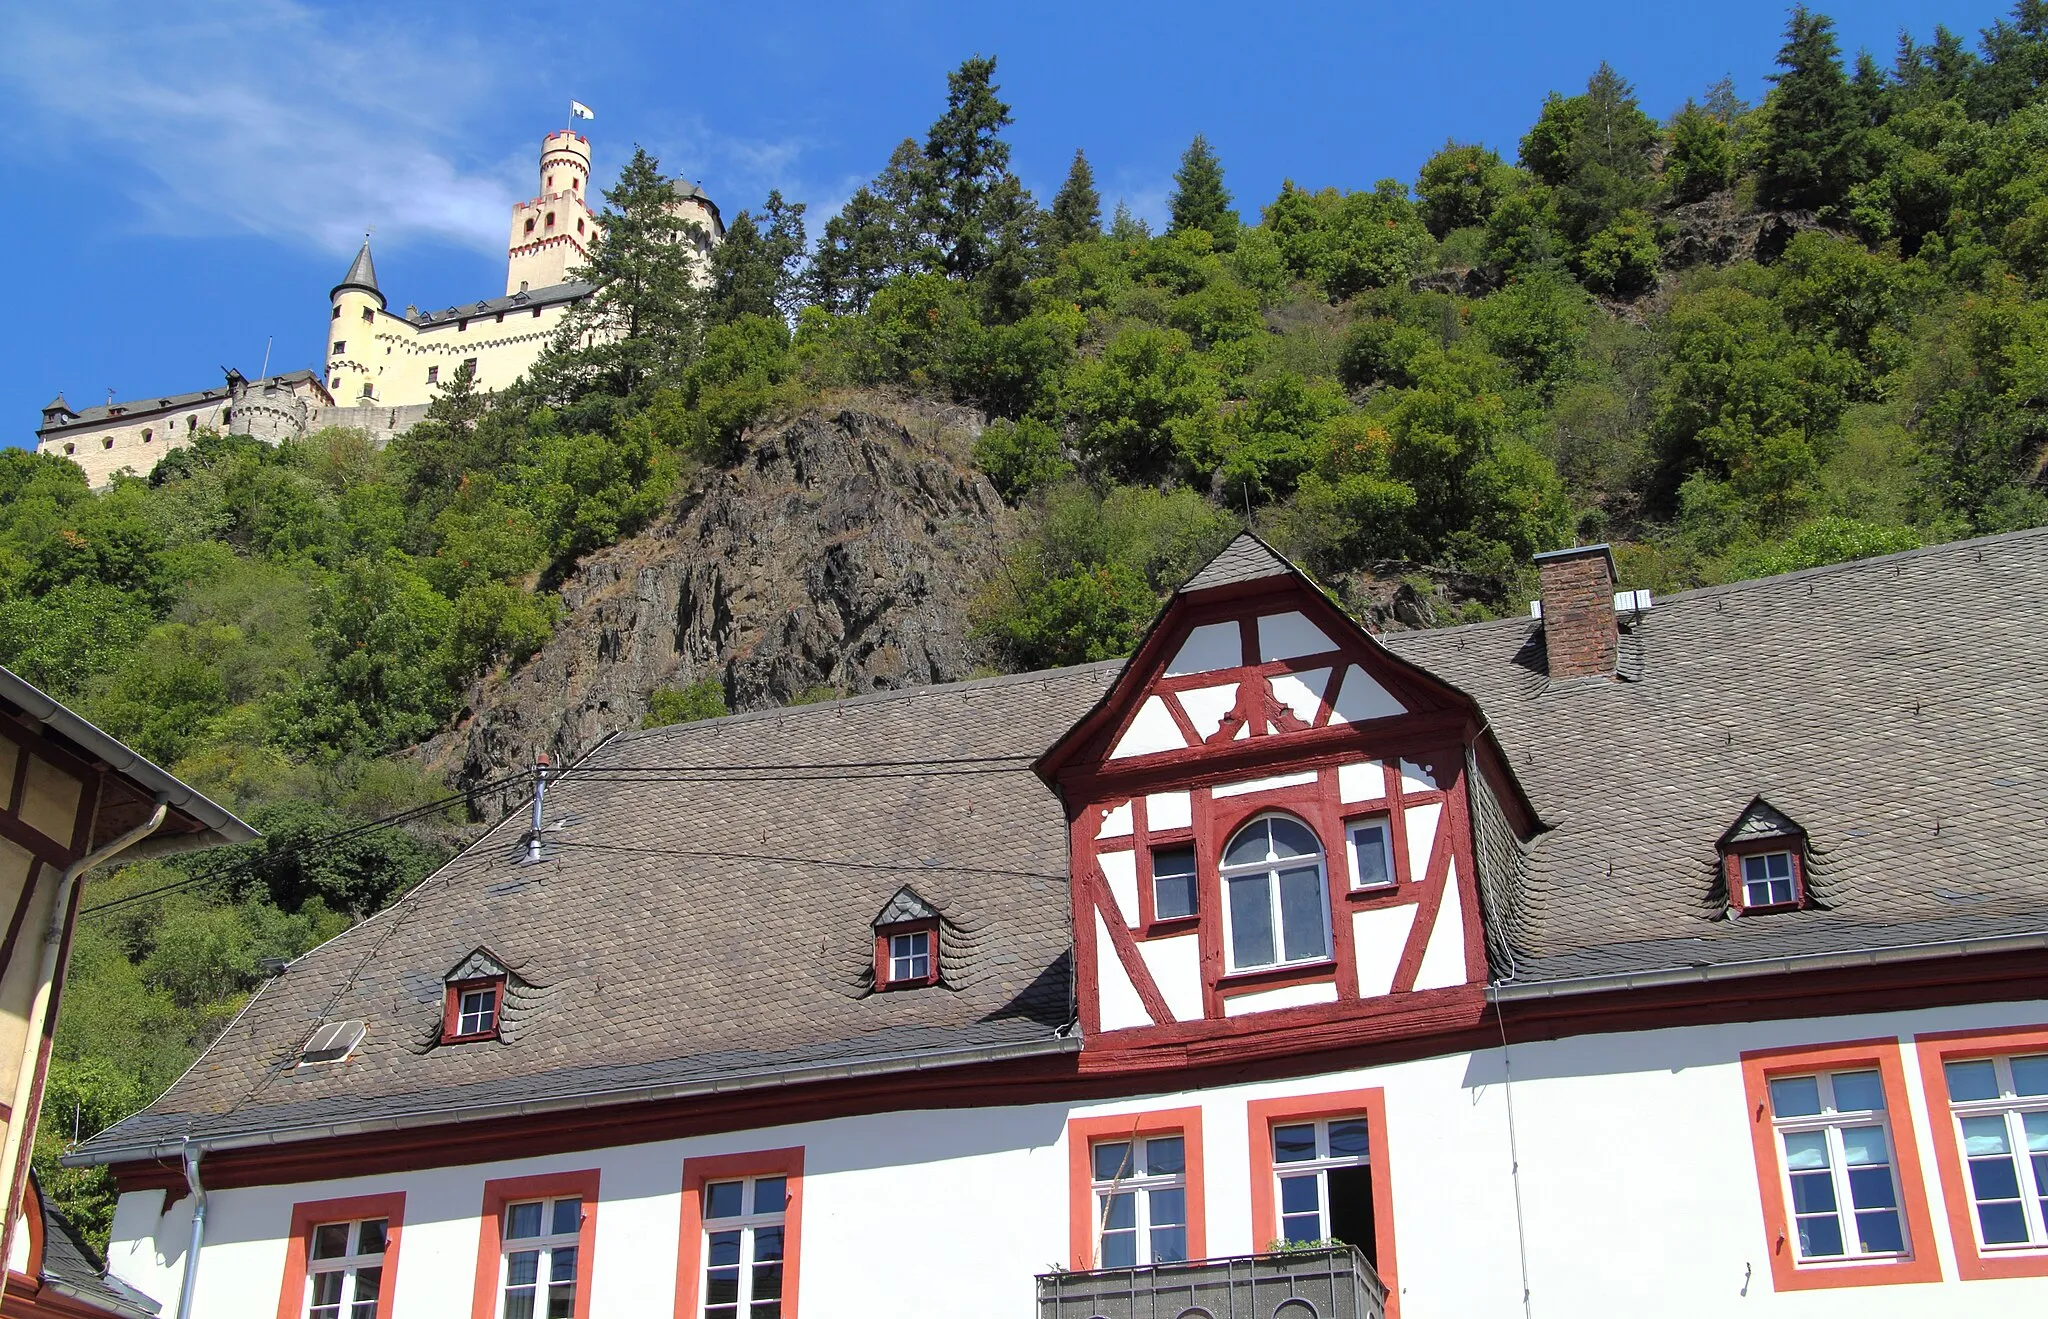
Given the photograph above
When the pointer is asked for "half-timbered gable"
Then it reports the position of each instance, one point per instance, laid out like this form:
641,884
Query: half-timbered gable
1268,819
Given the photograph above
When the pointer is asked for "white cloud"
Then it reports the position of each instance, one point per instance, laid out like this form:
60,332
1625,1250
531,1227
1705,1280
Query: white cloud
271,117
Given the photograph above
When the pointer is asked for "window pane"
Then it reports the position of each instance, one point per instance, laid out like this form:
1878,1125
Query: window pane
1169,1245
721,1286
1168,1207
1795,1096
767,1247
767,1282
1119,1210
1119,1249
1778,865
1294,1144
1878,1232
2037,1139
1858,1092
1985,1135
1165,1156
568,1216
368,1282
771,1195
1301,1195
519,1304
372,1235
1805,1150
724,1249
562,1264
1112,1160
1975,1079
1249,847
1820,1237
1303,915
1369,845
1251,922
722,1200
522,1221
1173,882
562,1302
1865,1147
327,1287
1293,839
1348,1138
2030,1075
522,1268
2003,1222
1301,1227
330,1241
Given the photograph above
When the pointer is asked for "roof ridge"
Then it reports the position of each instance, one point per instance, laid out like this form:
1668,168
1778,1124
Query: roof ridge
865,699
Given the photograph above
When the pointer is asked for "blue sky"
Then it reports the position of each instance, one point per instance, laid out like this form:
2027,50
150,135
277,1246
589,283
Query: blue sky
191,176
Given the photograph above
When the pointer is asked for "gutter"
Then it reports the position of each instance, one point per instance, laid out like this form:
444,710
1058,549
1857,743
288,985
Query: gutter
189,1147
191,1279
1985,945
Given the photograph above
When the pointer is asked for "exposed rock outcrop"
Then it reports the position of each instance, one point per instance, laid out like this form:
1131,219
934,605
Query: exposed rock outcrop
842,553
1716,231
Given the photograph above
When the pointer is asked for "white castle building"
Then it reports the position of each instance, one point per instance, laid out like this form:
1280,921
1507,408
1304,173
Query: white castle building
383,368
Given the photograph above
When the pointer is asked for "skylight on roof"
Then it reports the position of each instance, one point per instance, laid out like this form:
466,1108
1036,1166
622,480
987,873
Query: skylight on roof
333,1042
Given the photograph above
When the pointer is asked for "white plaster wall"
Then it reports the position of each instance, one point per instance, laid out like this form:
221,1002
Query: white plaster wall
1638,1196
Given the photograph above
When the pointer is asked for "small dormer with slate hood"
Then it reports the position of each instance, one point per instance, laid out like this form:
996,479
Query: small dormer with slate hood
1269,821
1763,861
474,1006
907,931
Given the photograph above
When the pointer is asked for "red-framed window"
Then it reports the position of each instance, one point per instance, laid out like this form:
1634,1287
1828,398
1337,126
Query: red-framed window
907,955
472,1010
1767,874
1838,1169
1987,1100
741,1236
341,1259
1319,1172
1135,1188
537,1246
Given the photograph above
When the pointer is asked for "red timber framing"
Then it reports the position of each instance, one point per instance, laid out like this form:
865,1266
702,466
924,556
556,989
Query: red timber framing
699,1172
309,1214
1433,733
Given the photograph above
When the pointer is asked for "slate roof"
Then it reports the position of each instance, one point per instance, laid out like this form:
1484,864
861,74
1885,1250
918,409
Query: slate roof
1245,559
573,291
71,1267
1891,706
668,838
362,273
134,409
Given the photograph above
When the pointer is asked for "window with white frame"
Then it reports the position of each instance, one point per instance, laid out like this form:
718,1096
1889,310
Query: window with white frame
345,1269
744,1248
1323,1183
477,1014
1276,910
1372,853
1767,880
539,1275
1173,883
1141,1201
910,956
1840,1186
2000,1107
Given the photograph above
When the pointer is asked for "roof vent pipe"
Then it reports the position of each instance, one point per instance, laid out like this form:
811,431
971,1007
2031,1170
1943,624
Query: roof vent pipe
540,788
1580,635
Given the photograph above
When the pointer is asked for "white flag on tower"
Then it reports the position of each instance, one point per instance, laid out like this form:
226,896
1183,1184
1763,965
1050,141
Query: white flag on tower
578,110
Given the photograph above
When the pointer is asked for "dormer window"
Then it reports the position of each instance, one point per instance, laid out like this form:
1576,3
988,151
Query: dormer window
475,1004
906,942
1763,861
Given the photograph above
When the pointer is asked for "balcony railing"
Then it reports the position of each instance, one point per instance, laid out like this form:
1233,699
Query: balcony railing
1328,1282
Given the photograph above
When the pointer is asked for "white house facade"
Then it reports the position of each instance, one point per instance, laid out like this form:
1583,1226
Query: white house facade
1681,958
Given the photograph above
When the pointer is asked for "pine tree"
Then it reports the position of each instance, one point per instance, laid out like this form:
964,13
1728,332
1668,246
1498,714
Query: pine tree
1200,201
1812,142
1698,164
969,196
1125,227
786,240
1607,166
641,326
876,236
742,273
2015,67
1076,215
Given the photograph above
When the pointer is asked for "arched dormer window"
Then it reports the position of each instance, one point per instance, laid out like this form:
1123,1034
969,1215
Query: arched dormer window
1276,907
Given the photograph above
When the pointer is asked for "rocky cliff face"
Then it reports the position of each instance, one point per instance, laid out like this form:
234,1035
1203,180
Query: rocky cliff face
842,553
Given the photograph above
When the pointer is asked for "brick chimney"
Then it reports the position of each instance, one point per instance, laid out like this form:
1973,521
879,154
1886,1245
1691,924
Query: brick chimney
1580,636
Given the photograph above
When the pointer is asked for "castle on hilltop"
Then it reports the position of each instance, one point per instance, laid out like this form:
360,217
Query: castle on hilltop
384,368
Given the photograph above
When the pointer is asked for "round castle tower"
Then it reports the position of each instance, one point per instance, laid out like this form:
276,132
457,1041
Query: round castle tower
356,303
552,232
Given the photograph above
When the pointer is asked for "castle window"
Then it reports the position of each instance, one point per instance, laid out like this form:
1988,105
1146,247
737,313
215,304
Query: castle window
147,435
70,450
433,375
369,315
529,224
469,365
551,219
337,313
369,390
1275,910
536,311
192,422
107,443
551,180
340,346
579,226
501,318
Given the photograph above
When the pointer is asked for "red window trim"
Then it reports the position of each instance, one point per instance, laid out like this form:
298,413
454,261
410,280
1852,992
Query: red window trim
884,933
1973,1262
1731,868
1261,1115
490,1240
1923,1264
1083,1132
697,1172
451,1010
309,1214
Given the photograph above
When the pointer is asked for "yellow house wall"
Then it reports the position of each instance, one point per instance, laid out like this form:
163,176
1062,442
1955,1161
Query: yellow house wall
398,354
137,441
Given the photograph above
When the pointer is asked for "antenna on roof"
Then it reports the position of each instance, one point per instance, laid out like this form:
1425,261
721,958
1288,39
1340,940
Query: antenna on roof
264,374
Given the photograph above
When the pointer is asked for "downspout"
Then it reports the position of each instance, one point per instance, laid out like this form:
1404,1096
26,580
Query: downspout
198,1240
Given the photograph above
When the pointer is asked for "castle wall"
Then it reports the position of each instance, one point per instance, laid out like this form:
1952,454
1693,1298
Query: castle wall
399,356
136,441
382,424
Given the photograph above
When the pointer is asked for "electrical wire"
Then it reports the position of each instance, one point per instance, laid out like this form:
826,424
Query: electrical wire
829,862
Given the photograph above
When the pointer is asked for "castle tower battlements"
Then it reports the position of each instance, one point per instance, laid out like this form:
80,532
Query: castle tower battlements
552,232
